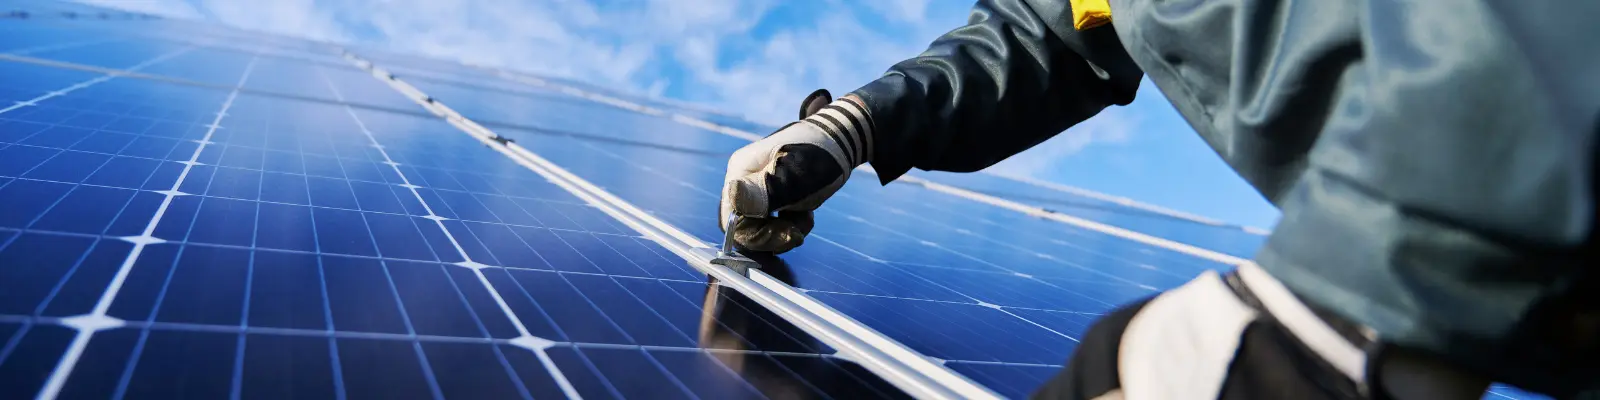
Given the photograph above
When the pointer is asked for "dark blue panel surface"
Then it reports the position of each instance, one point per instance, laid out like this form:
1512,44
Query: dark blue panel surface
1014,381
287,367
27,359
1213,235
203,65
118,55
302,249
35,40
575,115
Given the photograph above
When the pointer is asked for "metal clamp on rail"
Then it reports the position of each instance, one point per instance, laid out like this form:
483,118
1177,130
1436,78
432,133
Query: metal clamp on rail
728,256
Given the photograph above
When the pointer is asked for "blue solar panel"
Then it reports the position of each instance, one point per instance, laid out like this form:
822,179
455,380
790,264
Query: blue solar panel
291,247
1229,239
263,219
906,283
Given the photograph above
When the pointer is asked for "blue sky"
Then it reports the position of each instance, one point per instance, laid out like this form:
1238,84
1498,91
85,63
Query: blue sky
755,58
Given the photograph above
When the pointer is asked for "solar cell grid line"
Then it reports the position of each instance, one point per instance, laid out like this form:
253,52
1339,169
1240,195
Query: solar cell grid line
1072,220
706,192
216,196
687,114
1032,256
644,223
548,113
76,185
185,30
1006,185
408,108
680,115
200,192
822,237
1109,229
1020,276
1119,258
514,88
1083,223
1009,219
97,320
1181,263
244,45
92,82
989,241
378,105
525,340
59,46
425,339
974,300
224,149
1228,239
583,156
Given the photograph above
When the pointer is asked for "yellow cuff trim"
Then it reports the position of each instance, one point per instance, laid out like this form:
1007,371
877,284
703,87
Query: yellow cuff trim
1090,13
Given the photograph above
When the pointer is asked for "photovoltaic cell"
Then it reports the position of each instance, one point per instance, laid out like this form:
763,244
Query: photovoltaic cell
590,119
895,281
1009,380
296,248
455,76
314,234
1224,238
122,54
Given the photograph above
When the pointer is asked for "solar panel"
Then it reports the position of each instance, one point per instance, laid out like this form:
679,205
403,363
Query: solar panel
195,211
288,249
1230,239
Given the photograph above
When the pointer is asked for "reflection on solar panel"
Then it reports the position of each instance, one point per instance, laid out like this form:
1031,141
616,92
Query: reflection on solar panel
194,211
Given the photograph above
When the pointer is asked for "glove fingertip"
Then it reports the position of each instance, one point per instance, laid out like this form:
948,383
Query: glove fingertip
767,235
747,198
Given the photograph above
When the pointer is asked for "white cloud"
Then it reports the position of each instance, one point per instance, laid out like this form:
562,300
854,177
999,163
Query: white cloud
900,10
529,36
612,44
836,52
725,61
303,18
1113,126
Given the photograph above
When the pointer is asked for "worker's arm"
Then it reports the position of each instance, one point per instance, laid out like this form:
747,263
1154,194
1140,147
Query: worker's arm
1018,73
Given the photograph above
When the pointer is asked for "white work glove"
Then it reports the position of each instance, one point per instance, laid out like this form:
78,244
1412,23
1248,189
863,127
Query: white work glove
776,182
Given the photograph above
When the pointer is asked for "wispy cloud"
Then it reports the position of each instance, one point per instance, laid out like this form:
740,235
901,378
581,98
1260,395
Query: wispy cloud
304,18
752,57
1111,127
755,58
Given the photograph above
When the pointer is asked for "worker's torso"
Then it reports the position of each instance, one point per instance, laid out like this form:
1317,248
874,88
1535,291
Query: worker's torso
1434,160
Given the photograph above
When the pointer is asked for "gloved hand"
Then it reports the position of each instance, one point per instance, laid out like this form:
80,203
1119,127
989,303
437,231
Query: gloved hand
776,182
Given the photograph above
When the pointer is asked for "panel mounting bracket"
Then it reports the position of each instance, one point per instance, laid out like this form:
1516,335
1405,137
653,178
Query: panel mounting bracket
729,257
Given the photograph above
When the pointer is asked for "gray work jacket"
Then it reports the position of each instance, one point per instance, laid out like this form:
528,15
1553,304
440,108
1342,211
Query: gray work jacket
1434,160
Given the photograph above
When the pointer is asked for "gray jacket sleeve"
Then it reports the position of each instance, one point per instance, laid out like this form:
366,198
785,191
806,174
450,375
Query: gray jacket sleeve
1015,75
